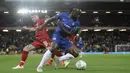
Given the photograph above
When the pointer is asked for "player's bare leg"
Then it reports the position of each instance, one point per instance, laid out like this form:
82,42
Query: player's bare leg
24,56
59,54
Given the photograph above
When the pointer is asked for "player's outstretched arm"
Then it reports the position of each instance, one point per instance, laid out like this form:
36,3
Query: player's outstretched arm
49,20
29,28
67,31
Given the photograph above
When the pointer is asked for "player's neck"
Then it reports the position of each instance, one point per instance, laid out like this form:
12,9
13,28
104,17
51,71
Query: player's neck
70,16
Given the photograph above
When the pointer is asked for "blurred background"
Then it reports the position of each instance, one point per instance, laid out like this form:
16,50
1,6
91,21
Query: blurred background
105,24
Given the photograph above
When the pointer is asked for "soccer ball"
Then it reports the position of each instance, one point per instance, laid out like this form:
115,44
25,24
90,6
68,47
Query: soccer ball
81,65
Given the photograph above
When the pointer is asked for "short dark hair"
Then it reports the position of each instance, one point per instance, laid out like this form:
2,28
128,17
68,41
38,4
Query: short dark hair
74,9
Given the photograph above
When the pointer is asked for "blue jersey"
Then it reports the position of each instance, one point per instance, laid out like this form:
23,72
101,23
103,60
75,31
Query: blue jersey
59,36
68,23
80,44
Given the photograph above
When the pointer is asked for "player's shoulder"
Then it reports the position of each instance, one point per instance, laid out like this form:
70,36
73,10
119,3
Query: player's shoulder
64,13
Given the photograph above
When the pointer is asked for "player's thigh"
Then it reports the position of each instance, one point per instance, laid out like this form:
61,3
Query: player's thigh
55,41
70,47
33,45
65,44
29,47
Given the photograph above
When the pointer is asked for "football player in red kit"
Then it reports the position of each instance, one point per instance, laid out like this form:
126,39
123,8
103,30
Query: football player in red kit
42,40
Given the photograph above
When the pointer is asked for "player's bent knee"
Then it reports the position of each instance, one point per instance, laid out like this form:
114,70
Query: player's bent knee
74,51
25,48
76,55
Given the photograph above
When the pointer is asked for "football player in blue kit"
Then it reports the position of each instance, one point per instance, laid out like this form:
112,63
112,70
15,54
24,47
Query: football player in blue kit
68,25
80,46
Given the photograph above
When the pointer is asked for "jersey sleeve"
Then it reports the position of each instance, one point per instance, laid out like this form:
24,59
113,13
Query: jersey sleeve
58,16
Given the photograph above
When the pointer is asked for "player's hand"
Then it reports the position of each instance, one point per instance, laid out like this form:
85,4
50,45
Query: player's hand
25,27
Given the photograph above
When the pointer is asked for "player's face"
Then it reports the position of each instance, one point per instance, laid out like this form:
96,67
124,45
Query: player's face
76,14
35,18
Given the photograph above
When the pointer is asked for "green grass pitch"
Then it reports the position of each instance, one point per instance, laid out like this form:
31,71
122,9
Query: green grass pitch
95,64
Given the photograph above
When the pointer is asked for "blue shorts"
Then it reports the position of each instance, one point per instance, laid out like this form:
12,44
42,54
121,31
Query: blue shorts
61,42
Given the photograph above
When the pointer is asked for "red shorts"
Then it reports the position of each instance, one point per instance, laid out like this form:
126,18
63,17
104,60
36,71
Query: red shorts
38,43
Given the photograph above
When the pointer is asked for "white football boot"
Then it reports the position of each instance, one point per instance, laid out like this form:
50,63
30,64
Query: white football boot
67,62
39,69
18,67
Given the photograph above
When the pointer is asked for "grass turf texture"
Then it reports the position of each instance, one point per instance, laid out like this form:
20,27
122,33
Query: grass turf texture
95,64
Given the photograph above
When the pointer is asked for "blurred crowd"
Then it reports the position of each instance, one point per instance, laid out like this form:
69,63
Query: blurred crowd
94,41
107,20
100,41
15,41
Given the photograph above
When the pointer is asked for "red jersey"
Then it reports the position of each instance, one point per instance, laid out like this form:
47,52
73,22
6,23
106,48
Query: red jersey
41,35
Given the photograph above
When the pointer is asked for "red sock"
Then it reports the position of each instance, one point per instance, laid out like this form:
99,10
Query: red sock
24,57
